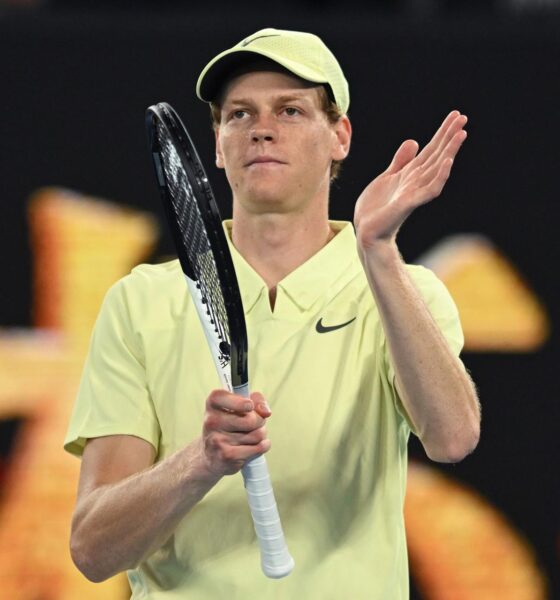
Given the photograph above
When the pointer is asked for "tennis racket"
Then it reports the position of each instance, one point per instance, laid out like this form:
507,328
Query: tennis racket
206,262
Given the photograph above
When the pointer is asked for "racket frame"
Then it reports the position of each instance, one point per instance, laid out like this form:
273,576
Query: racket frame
276,560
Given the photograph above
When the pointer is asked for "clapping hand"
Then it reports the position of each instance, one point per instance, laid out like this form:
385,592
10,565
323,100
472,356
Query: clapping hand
412,179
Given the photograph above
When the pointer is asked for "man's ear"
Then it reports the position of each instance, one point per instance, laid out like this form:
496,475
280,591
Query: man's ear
219,155
341,144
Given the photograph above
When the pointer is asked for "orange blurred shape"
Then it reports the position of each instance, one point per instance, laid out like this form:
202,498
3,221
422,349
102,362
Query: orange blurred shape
80,246
461,548
499,312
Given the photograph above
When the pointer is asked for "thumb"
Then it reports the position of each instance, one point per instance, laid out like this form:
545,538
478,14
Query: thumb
406,152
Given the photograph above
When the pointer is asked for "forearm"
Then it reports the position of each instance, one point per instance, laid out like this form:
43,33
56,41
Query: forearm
117,525
435,389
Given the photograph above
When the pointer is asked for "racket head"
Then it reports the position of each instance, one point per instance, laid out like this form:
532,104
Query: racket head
198,234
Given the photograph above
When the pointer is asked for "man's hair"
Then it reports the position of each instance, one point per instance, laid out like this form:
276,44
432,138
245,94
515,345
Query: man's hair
328,106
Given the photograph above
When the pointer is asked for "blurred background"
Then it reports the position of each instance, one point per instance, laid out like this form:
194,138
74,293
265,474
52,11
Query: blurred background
79,207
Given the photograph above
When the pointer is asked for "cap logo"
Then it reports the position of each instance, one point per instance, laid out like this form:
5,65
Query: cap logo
251,40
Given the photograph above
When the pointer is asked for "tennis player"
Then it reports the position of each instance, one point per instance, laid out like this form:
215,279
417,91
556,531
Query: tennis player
351,350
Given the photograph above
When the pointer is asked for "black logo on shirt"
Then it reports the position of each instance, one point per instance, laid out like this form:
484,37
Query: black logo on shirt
320,328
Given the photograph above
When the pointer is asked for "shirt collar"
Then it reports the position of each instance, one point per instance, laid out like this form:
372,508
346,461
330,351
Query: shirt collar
326,271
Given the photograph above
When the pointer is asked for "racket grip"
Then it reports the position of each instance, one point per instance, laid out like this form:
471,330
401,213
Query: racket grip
276,561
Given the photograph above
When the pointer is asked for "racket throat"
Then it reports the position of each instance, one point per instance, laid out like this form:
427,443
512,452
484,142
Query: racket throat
217,345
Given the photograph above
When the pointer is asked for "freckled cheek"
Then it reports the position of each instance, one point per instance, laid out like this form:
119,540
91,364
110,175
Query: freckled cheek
233,153
318,142
316,148
233,162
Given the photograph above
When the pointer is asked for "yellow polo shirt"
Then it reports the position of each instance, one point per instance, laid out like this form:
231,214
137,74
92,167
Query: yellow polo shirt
339,439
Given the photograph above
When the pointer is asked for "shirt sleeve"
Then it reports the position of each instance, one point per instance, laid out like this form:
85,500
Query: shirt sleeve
444,312
113,397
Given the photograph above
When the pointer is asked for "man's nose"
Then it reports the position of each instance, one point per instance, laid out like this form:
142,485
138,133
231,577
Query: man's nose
263,130
263,135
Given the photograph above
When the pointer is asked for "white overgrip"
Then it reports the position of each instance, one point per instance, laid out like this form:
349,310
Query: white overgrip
276,560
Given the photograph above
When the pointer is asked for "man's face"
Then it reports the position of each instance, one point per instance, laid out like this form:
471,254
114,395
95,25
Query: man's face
275,142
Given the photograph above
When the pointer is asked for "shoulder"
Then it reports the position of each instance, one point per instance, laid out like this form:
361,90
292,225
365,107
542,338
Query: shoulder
149,289
154,275
150,279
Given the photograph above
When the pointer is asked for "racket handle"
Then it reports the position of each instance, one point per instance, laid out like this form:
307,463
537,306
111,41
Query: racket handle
276,561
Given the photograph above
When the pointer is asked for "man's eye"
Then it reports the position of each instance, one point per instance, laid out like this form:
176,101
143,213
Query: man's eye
238,114
291,111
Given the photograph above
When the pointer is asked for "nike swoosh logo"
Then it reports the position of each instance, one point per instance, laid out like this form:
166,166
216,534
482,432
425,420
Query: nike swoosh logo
320,328
251,40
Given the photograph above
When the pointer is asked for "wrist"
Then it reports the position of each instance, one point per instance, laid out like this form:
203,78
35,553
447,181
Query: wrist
195,466
380,253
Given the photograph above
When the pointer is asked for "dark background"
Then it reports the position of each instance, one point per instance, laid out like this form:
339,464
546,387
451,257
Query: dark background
74,84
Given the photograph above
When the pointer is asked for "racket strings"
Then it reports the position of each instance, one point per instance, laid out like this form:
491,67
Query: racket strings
195,242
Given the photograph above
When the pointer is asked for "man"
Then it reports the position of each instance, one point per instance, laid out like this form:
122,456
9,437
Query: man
351,348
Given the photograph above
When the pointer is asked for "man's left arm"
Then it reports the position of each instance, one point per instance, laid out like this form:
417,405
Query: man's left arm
435,389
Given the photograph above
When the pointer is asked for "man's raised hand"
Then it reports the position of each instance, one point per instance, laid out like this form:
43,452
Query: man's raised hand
412,179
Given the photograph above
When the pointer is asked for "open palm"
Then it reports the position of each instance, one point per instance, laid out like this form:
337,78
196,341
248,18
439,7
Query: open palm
412,179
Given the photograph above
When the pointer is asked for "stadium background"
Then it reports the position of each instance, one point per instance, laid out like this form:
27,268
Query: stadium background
75,82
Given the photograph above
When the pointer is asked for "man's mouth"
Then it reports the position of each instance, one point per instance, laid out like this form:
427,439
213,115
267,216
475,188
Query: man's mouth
264,160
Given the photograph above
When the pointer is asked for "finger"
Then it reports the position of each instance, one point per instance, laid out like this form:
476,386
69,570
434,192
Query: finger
435,187
438,136
229,452
228,402
433,151
251,438
448,124
228,458
218,420
456,128
246,452
406,152
455,143
261,405
426,172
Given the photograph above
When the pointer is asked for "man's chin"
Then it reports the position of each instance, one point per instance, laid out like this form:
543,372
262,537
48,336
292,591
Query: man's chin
264,201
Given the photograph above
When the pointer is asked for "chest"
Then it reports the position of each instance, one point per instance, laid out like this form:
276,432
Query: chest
317,370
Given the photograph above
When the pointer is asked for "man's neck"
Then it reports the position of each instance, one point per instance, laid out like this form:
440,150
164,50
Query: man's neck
276,244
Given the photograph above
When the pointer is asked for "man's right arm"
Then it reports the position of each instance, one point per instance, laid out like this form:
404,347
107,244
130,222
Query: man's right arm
128,506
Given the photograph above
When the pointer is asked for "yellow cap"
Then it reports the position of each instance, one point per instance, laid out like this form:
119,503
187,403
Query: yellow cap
304,54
